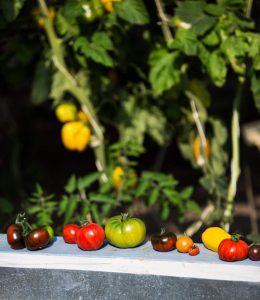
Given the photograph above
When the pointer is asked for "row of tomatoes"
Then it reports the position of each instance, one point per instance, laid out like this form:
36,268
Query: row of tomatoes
123,231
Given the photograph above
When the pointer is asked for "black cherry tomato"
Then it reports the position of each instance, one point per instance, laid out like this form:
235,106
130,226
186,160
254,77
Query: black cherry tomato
37,239
254,252
15,236
163,241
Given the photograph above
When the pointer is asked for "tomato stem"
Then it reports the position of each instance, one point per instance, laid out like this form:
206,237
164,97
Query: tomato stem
124,217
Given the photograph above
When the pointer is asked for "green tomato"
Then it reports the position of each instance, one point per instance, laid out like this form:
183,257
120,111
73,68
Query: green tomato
89,14
123,231
50,231
97,7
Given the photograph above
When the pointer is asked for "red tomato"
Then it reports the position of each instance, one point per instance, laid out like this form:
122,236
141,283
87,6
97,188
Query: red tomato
69,233
90,237
233,249
194,250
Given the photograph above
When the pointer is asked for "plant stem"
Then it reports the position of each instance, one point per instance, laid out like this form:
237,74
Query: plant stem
235,162
164,25
249,8
75,89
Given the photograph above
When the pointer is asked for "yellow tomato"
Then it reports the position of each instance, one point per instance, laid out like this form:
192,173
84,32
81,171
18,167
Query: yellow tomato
213,236
118,174
75,136
108,5
66,112
196,150
82,116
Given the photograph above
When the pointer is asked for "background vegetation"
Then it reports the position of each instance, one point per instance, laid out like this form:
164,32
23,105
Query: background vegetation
151,77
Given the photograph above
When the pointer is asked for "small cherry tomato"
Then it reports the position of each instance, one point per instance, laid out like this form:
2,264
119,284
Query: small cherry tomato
69,232
66,112
37,239
233,249
254,252
184,243
194,250
90,237
15,236
163,241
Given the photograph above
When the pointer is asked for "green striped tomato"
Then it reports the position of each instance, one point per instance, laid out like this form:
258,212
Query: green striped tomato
123,231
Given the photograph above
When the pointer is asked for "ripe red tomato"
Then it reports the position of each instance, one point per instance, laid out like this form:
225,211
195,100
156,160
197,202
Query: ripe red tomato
163,241
15,236
194,250
90,237
69,233
233,249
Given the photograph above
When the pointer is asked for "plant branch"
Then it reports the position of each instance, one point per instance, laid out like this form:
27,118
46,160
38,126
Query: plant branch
164,22
249,8
75,89
235,162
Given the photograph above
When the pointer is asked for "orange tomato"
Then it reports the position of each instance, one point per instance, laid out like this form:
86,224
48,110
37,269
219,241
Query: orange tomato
184,243
197,150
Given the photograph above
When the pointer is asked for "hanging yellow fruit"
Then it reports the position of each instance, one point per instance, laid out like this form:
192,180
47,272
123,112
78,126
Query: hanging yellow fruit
75,135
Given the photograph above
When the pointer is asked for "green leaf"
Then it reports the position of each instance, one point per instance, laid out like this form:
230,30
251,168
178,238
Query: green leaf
63,205
211,39
11,8
255,88
165,210
142,188
102,39
59,87
71,185
198,89
153,197
192,12
41,84
132,11
214,9
73,201
217,68
185,41
33,209
96,214
99,198
86,181
193,206
164,70
95,52
186,193
66,26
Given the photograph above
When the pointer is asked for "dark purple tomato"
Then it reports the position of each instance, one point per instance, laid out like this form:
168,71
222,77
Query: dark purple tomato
15,236
254,252
37,239
163,241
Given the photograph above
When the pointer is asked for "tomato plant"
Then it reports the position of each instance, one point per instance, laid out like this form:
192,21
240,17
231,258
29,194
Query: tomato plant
124,231
233,249
184,244
254,252
37,239
163,241
69,232
90,237
15,236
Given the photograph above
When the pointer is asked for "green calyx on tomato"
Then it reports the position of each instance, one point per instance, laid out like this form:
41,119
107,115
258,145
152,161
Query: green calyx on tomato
124,231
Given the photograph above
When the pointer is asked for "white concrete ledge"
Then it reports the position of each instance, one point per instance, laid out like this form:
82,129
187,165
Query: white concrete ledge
141,260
